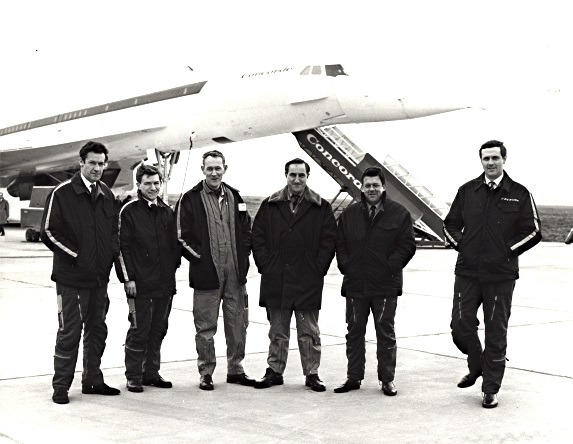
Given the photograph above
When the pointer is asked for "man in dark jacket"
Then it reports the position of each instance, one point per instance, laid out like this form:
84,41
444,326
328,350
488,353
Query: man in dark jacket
294,236
149,256
491,222
375,241
80,226
214,228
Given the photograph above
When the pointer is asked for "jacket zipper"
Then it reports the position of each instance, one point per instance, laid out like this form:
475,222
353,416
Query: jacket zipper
383,308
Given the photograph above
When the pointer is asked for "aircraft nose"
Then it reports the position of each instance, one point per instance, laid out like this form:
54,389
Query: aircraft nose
413,108
373,102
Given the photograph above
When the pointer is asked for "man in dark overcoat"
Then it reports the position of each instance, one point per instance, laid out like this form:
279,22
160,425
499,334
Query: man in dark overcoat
293,240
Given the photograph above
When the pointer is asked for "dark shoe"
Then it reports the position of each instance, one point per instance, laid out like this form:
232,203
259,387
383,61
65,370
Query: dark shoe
158,382
314,382
349,384
389,389
489,401
60,396
271,378
101,389
242,379
468,380
206,383
134,385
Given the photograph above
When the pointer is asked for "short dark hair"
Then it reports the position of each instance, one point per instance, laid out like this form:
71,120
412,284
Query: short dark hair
93,147
494,144
147,170
297,161
374,171
213,153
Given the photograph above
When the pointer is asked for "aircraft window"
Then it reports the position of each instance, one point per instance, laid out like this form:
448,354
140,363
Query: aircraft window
334,70
316,70
305,71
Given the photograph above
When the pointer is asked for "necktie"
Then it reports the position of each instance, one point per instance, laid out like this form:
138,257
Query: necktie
491,185
295,200
93,193
372,212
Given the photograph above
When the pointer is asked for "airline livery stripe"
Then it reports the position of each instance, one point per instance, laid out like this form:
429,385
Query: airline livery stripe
47,226
179,237
168,94
534,233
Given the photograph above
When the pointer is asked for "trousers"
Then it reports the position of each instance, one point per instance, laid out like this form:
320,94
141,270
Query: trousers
357,313
308,335
469,294
149,320
235,302
80,308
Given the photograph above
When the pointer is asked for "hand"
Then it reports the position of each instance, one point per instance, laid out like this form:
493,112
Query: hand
130,289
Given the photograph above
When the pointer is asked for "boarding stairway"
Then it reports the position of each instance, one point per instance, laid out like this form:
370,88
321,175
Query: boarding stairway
344,161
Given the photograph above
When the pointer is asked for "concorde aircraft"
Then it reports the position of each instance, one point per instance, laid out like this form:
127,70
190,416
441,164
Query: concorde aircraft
196,115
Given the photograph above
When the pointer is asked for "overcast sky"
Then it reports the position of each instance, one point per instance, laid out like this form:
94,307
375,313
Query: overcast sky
513,58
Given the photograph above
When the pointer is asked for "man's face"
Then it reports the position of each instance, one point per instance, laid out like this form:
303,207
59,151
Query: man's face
296,178
492,162
372,188
150,186
92,168
213,169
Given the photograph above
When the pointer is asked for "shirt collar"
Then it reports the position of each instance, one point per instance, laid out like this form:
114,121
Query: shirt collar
210,190
496,181
302,195
87,183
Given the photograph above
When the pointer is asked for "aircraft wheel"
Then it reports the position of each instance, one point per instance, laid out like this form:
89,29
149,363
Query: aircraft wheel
32,235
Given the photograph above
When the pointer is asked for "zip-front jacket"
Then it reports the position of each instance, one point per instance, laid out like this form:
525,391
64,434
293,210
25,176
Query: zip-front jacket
82,236
490,229
149,250
371,256
193,234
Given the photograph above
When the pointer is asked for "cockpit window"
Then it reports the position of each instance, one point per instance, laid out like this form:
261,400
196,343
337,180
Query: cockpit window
329,70
334,70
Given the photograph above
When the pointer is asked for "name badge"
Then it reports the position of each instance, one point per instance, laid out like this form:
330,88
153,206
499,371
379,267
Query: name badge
242,207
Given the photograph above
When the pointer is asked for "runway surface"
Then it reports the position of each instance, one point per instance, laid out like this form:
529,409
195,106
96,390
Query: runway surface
534,401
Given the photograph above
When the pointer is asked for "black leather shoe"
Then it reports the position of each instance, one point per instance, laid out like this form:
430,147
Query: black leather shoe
134,385
157,382
468,380
489,401
242,379
389,389
349,384
60,396
206,383
101,389
314,382
271,378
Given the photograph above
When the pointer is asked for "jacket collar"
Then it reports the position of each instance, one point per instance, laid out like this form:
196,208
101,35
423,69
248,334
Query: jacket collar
282,194
79,186
160,202
199,187
505,183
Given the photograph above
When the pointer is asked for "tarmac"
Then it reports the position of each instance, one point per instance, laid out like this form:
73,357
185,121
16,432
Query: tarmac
534,401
